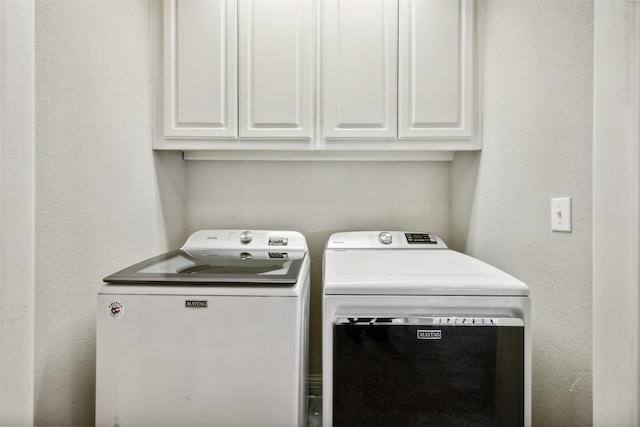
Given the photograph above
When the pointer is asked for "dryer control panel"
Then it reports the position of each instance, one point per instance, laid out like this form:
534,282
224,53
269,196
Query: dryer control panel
385,240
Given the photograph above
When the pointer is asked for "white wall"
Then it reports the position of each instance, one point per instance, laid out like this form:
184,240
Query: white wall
318,199
17,211
538,61
104,199
616,214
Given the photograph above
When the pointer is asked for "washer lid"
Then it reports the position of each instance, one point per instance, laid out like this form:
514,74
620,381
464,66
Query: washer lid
229,257
414,272
215,267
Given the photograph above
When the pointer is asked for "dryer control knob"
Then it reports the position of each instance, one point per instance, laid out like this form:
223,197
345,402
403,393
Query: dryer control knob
246,237
385,238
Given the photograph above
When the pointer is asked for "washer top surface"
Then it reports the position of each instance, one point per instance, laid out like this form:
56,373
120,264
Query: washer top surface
358,263
223,258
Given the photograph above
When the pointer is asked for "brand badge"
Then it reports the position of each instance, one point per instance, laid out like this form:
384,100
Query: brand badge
195,304
116,309
430,334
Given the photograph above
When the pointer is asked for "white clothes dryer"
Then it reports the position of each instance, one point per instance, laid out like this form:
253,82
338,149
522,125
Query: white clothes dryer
417,334
213,334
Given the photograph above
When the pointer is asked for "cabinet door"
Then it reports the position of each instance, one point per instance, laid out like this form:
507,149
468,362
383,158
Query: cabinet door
360,69
200,68
436,69
276,68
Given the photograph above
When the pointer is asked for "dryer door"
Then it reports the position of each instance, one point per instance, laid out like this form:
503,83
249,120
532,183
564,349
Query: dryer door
428,371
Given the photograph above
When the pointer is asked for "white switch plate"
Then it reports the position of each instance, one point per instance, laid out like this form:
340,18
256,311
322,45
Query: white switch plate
561,214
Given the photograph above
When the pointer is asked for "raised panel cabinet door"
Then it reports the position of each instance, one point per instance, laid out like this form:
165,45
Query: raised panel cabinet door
436,69
200,68
359,69
276,68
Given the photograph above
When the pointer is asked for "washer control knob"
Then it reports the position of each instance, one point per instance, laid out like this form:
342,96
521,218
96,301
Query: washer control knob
246,237
385,238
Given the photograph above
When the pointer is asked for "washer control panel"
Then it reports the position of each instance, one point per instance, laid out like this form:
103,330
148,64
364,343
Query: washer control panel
244,239
385,240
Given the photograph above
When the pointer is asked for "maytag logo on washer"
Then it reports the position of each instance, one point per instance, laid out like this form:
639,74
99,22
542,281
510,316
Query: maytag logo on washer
430,334
195,304
116,309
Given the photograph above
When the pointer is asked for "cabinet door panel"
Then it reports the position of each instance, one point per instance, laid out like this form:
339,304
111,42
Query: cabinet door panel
200,68
360,72
276,68
435,68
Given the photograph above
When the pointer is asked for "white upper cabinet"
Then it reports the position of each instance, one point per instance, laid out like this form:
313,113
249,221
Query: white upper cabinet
200,69
276,68
238,70
360,68
394,76
398,75
436,78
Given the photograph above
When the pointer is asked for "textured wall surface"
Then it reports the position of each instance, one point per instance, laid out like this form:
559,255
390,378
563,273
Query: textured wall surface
103,199
616,214
318,199
17,211
537,145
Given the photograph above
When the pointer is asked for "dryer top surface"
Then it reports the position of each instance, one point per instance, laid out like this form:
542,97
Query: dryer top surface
414,272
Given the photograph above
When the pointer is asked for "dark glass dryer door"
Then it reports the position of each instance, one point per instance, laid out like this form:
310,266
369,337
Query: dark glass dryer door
448,371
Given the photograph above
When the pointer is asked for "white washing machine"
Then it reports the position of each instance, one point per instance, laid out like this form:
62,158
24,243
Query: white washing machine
213,334
416,334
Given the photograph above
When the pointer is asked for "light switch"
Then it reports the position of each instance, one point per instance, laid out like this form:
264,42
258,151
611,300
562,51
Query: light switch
561,214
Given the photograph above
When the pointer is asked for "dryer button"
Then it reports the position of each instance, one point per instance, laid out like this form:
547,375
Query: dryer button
385,238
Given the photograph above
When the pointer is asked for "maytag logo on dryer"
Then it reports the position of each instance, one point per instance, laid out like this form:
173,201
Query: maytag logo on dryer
429,334
196,303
